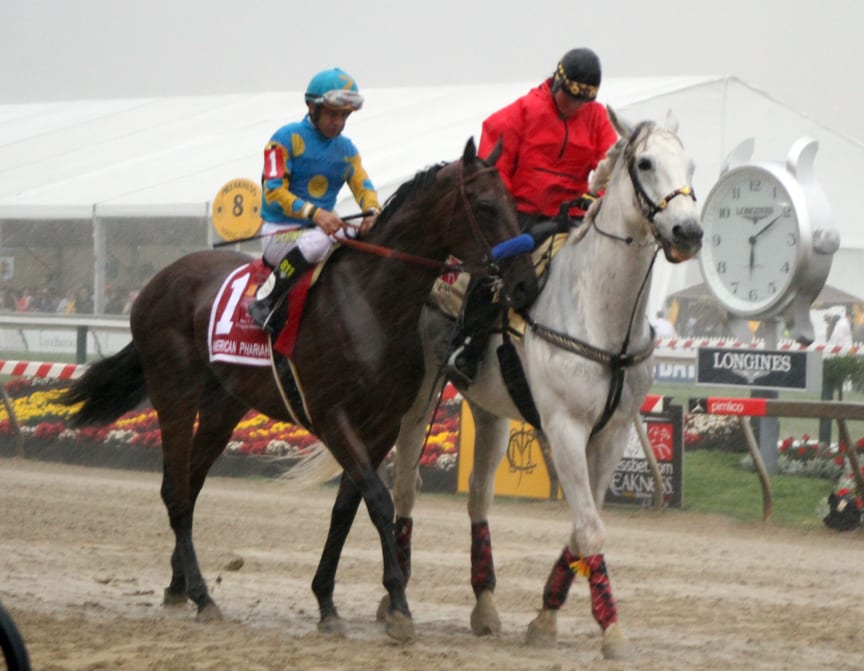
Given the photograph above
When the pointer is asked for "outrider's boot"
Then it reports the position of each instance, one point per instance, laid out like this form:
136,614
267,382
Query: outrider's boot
472,335
272,292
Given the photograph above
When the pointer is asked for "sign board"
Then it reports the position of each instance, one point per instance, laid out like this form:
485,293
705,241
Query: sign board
524,471
633,482
237,209
759,369
735,407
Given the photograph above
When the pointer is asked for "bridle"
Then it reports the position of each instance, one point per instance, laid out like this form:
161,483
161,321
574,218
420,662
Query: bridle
647,207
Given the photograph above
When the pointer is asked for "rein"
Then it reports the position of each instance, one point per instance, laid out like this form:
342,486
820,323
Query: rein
388,252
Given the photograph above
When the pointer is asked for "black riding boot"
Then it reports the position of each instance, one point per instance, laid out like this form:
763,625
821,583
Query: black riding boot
270,295
472,335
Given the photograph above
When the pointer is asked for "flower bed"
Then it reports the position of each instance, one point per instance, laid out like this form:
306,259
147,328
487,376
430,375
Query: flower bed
42,422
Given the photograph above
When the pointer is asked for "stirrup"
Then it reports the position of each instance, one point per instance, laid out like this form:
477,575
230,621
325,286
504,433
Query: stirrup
262,314
457,363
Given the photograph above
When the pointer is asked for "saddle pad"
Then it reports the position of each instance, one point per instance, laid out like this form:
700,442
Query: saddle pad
448,292
232,336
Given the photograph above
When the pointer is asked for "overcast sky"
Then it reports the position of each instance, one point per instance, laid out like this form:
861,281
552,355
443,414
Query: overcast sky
805,54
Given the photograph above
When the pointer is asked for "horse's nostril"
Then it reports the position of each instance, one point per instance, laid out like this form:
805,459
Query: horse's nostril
689,231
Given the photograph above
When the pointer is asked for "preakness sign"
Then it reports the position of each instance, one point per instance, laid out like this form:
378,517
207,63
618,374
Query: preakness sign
526,469
633,481
762,369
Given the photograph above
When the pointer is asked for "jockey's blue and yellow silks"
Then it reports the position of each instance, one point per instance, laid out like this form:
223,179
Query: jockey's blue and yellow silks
304,170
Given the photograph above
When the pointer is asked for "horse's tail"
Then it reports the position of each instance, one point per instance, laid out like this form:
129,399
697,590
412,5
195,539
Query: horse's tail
317,467
107,389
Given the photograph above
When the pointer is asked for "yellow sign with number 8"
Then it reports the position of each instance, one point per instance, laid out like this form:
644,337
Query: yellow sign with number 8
237,209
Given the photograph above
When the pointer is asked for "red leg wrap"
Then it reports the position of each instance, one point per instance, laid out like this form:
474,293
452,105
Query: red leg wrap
482,566
402,529
602,603
559,581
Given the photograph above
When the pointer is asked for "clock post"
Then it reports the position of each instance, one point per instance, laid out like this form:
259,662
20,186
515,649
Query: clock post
770,244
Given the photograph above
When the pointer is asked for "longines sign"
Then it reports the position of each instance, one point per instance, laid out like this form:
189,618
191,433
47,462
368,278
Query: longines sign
761,369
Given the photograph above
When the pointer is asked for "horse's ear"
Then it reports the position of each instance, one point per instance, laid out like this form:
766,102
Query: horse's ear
470,152
495,154
622,127
671,122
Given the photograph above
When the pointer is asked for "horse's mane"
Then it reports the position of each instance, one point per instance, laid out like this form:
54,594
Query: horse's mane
420,181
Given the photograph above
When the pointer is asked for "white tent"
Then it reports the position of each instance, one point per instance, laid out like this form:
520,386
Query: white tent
169,156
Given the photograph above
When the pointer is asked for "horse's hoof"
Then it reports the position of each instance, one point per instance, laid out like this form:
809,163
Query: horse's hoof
172,598
543,630
615,644
399,626
383,609
484,617
332,625
209,613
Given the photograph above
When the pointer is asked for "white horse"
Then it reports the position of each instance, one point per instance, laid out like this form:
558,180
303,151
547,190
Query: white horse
587,346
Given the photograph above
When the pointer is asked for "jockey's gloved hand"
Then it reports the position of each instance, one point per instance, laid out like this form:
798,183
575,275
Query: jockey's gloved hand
585,201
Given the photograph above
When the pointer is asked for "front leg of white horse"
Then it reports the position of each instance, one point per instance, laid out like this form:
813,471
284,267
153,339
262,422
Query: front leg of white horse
583,556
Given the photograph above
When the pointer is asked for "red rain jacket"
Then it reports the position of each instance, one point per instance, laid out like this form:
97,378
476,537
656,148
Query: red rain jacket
546,159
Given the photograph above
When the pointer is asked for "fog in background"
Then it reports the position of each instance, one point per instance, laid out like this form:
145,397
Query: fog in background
806,55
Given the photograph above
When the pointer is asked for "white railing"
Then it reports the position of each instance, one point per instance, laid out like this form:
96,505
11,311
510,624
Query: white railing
52,334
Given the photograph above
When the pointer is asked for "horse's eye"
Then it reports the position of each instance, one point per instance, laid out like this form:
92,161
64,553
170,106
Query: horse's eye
485,207
645,163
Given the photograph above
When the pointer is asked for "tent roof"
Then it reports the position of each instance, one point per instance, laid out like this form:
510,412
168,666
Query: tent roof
172,154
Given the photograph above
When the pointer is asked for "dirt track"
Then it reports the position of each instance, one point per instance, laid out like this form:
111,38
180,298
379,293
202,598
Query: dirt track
84,558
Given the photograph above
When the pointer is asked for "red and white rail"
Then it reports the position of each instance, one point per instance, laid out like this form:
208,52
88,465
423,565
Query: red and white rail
58,371
686,344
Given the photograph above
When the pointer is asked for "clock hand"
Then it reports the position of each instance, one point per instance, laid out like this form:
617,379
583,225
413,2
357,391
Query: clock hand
752,239
765,228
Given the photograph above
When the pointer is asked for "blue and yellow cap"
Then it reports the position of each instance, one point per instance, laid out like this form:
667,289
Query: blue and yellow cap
334,88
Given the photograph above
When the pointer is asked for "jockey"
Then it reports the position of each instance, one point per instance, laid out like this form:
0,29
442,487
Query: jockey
553,137
306,163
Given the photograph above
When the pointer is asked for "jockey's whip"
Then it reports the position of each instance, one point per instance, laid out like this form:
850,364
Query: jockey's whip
259,236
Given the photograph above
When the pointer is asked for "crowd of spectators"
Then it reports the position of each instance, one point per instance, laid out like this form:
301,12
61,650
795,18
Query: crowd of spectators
74,301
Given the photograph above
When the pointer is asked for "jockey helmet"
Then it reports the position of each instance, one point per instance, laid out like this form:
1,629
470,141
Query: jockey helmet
334,88
578,74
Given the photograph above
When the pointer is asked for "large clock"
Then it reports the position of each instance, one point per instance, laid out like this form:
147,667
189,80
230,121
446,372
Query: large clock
768,236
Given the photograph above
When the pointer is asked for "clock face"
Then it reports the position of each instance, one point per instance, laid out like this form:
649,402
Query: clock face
752,247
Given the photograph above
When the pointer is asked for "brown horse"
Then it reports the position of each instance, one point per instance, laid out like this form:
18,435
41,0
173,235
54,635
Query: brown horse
358,357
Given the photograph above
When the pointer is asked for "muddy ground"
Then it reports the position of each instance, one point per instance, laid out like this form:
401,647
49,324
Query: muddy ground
84,559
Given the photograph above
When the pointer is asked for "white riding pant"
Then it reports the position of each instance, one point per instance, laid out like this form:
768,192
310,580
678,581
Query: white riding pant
313,243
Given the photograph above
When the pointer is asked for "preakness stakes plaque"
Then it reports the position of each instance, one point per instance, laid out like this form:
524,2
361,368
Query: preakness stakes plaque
633,481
